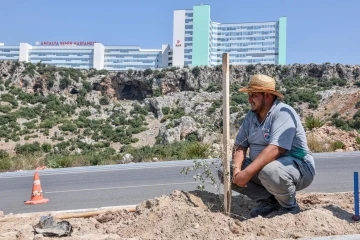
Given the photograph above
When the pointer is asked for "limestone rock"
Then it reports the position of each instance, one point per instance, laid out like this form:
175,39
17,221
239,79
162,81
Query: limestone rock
127,158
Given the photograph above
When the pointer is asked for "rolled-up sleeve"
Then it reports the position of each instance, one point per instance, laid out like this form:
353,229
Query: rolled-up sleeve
243,133
283,130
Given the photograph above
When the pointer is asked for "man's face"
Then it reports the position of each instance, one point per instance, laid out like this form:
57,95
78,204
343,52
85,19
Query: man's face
256,101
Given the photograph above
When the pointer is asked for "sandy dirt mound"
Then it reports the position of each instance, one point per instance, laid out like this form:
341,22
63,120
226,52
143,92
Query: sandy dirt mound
195,215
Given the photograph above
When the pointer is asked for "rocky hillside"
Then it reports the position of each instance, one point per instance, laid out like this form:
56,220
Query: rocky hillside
52,110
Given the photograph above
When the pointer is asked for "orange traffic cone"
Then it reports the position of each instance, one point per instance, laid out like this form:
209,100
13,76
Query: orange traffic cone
36,195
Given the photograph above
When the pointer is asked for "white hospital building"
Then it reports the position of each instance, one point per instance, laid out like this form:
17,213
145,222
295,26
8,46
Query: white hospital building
197,41
86,55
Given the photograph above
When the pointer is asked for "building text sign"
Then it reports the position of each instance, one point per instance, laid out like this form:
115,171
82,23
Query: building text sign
66,43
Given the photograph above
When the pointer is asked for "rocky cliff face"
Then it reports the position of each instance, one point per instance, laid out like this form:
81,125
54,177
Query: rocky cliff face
141,84
181,102
138,85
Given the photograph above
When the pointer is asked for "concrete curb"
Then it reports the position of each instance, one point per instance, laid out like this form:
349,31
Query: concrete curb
335,237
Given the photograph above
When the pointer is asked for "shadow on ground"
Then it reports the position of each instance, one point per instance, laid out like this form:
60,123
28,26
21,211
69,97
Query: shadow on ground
240,204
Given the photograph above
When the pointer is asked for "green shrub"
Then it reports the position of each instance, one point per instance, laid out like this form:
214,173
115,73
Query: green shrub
5,119
30,125
214,87
47,123
7,83
216,104
356,72
5,163
340,123
103,72
64,83
196,150
238,98
173,69
6,97
356,115
27,148
337,145
85,113
357,83
234,109
148,71
81,101
159,74
25,112
165,110
4,154
192,137
196,71
62,146
69,127
59,161
355,123
338,81
140,110
50,83
335,115
137,130
54,104
136,122
46,147
5,108
104,101
218,68
313,122
102,144
250,68
157,92
178,113
29,69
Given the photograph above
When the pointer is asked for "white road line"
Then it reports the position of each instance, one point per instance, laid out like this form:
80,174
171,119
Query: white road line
97,189
105,168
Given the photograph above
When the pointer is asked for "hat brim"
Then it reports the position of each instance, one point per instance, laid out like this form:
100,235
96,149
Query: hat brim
249,90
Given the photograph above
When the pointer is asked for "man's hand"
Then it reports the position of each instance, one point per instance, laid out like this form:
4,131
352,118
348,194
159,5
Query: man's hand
241,178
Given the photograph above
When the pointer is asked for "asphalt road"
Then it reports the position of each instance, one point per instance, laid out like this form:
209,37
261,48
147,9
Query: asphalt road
117,185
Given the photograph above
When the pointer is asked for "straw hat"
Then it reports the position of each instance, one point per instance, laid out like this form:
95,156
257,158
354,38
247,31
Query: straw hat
261,83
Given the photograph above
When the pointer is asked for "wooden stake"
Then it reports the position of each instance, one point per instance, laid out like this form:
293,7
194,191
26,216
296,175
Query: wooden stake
90,214
226,134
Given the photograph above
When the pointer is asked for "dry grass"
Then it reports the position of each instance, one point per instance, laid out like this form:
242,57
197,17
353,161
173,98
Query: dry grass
322,145
27,162
316,145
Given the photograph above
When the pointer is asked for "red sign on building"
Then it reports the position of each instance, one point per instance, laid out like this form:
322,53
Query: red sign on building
178,44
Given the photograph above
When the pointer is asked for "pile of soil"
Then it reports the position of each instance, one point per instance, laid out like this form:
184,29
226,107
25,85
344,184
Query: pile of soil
198,215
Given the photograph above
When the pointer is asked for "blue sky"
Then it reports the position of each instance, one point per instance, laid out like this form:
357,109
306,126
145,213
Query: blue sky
318,31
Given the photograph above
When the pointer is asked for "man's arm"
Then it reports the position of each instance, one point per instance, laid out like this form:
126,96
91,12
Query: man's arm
238,156
269,154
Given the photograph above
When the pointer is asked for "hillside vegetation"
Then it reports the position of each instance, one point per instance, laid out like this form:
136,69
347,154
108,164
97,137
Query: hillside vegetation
61,117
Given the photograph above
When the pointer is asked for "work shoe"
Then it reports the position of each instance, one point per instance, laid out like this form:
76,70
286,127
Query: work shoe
265,207
293,210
